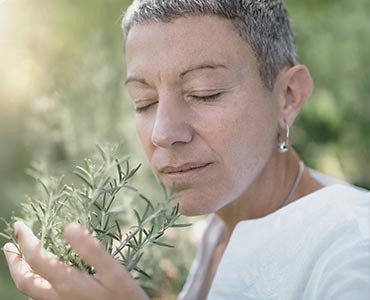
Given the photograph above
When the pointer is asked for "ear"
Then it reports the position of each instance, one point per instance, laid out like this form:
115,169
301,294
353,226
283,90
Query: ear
296,86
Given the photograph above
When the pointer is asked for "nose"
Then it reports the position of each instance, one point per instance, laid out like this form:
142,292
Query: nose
172,125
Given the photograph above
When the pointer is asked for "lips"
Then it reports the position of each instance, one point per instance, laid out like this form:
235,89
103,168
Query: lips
183,174
182,168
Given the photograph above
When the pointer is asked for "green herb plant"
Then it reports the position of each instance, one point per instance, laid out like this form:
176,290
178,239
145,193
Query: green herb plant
94,203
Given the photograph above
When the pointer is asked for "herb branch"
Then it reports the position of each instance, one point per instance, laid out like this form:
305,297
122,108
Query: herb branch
94,203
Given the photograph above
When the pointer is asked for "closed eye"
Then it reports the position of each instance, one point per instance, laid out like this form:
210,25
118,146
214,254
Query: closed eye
206,97
141,109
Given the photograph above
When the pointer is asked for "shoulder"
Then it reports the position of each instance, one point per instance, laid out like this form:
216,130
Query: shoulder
351,201
342,270
345,205
327,214
317,239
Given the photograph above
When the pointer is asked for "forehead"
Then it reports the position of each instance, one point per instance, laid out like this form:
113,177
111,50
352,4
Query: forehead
183,42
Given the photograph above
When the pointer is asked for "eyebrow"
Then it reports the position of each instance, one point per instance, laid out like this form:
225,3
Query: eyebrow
201,66
197,67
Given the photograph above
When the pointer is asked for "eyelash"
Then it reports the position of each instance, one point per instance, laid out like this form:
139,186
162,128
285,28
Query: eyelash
144,108
207,98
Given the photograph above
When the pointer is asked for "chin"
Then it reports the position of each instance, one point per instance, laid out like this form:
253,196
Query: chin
190,211
194,204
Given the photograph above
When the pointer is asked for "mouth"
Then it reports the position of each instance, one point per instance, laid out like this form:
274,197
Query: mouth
183,173
183,168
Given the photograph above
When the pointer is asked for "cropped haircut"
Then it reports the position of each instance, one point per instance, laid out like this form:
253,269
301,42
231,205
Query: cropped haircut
263,24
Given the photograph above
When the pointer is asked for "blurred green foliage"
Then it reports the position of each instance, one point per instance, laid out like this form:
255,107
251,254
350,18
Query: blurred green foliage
61,92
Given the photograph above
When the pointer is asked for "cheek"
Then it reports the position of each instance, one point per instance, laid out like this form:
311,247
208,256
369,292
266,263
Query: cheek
144,131
246,146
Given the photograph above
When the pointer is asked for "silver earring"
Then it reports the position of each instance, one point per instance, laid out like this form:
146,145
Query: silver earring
283,142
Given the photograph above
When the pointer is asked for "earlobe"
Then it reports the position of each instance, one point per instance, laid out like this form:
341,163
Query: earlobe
297,85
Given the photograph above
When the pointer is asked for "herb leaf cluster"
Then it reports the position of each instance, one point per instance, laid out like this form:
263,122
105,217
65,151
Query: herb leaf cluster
94,203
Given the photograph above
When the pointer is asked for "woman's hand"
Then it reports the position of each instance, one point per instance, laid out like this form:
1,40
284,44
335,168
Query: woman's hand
41,276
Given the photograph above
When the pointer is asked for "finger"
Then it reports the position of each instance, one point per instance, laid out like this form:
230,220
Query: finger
26,281
42,262
110,273
91,251
66,281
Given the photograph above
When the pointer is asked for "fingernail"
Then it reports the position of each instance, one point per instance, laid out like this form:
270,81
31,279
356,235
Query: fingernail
10,250
5,248
73,230
16,227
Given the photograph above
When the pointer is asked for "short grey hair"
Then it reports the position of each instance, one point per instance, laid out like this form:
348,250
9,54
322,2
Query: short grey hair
263,24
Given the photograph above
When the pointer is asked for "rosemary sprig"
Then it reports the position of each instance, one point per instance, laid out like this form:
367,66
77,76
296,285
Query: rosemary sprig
94,204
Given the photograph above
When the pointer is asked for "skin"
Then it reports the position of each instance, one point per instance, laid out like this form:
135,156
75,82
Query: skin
207,123
230,138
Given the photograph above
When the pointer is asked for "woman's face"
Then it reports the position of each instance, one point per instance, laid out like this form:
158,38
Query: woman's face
204,117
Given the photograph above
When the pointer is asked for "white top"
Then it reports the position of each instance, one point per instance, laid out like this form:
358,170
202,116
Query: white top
316,248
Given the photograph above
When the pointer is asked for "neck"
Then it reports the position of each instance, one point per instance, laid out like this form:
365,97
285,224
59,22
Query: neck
269,191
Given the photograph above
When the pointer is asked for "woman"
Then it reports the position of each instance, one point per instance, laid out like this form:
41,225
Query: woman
216,87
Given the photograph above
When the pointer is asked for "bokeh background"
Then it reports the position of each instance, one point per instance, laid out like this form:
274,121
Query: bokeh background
61,92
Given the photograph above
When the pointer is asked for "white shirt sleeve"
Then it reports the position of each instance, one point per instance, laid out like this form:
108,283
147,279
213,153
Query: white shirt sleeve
342,276
317,248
